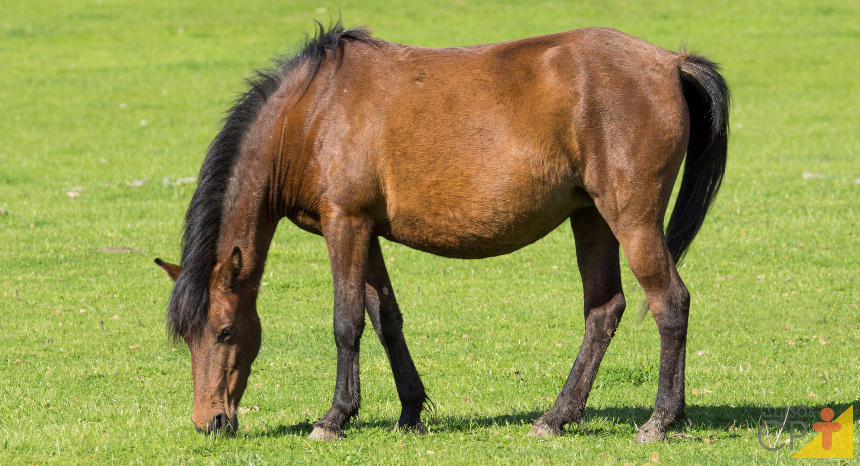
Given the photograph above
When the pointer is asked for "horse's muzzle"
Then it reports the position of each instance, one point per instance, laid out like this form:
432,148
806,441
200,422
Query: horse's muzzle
220,425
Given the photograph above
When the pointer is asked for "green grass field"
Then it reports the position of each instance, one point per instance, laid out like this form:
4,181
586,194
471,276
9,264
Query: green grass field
95,95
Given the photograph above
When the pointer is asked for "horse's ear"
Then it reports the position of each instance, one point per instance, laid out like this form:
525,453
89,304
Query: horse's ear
231,268
172,270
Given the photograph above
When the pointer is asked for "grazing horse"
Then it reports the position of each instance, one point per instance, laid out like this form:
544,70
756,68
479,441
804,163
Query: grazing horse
464,152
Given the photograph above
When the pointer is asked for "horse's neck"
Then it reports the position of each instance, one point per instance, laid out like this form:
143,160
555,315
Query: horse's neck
248,223
262,182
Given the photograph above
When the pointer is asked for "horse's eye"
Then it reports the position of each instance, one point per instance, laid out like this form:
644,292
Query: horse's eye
225,334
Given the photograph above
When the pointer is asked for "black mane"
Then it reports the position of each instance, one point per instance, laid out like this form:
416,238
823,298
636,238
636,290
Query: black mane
187,311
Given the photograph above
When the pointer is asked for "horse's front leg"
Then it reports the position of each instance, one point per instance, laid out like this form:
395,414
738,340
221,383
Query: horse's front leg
388,322
348,240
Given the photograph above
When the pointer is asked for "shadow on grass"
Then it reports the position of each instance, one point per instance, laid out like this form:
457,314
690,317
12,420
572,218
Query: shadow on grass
302,429
733,420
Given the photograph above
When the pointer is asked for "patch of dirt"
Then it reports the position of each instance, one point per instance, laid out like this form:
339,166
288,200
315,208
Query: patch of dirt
119,250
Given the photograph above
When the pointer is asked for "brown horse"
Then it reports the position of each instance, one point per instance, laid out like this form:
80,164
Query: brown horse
465,152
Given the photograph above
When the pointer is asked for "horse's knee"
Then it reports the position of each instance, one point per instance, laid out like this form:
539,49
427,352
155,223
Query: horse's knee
387,322
347,332
392,320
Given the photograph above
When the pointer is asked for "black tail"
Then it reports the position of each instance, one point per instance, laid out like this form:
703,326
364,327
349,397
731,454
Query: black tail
707,97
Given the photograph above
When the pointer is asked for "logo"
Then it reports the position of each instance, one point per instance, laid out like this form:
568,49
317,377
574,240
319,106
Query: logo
835,438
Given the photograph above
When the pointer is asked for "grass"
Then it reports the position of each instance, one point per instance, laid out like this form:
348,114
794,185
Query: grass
97,94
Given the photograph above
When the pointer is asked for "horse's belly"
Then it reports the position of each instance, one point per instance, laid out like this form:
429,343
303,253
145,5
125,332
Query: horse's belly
464,244
481,227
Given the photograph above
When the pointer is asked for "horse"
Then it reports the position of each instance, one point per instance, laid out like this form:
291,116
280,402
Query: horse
463,152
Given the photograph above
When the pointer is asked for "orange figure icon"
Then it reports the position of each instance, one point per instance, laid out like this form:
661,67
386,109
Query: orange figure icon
827,428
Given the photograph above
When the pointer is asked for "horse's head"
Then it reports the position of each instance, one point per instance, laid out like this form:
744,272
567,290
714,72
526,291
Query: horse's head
224,349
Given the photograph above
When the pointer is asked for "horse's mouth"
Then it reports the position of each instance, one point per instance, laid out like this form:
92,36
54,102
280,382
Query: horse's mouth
220,424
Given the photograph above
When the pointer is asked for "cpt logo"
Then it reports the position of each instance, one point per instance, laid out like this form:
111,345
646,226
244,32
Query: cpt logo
835,438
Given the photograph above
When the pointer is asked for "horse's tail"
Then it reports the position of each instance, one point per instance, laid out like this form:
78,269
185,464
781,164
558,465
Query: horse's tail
707,97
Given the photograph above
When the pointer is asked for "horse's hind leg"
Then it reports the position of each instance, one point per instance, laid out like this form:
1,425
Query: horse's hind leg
388,322
652,264
597,256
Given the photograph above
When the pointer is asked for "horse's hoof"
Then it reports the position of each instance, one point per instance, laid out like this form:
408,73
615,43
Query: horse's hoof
320,433
650,433
539,430
418,428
